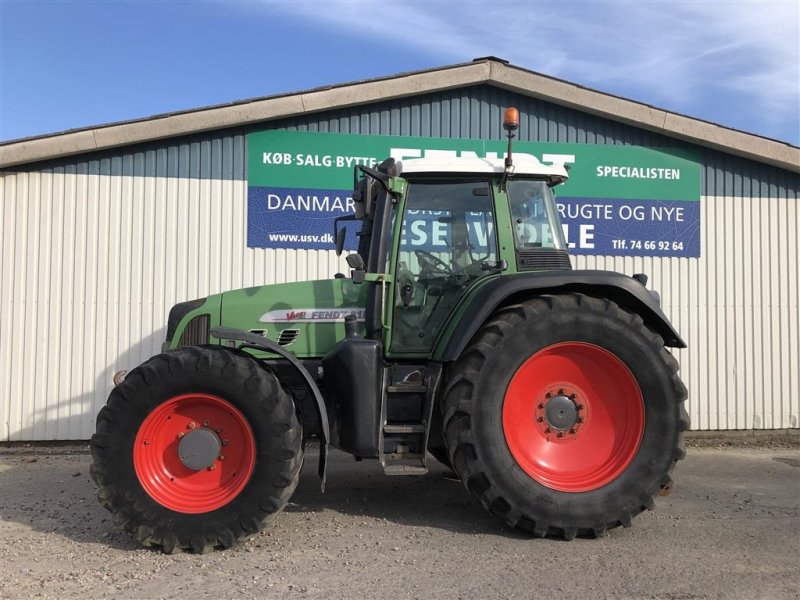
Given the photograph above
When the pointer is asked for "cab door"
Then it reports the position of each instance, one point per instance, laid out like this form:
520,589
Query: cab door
447,243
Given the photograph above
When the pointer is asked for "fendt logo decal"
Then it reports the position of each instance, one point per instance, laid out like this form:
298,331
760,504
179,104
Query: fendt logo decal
311,315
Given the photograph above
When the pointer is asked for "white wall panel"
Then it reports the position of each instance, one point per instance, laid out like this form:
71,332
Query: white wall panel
92,263
737,308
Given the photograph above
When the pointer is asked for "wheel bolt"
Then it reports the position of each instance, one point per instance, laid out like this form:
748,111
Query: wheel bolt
205,423
181,434
218,430
572,431
212,467
560,392
539,419
547,430
222,457
573,396
560,434
579,406
225,442
541,405
547,395
579,420
192,425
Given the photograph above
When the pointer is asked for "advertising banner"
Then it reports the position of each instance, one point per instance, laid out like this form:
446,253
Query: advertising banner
619,200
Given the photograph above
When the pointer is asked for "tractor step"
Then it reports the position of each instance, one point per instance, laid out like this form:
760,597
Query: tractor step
404,465
406,413
403,428
407,388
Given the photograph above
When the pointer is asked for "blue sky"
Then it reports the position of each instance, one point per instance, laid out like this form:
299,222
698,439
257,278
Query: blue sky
74,64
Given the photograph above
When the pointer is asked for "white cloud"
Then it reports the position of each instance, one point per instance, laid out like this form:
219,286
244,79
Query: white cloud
673,54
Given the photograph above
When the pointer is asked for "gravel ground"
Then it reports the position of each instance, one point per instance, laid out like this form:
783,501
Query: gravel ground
731,529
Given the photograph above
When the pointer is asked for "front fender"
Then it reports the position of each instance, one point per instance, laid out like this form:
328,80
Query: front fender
509,289
252,340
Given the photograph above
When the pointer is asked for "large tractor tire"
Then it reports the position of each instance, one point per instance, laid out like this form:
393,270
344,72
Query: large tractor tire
196,449
436,445
579,425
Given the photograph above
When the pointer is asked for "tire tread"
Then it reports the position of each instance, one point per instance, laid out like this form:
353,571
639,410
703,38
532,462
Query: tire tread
257,382
458,406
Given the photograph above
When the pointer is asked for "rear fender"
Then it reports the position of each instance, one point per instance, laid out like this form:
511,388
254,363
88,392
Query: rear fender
505,290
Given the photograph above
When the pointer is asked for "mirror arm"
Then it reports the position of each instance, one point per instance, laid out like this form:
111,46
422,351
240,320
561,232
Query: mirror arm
381,178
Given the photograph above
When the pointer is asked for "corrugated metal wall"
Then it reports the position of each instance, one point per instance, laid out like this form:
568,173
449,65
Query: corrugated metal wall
90,267
96,249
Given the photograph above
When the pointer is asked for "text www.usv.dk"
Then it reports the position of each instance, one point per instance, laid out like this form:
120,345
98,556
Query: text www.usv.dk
325,238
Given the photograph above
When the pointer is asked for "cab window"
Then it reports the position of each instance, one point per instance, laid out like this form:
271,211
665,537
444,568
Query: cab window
533,213
448,234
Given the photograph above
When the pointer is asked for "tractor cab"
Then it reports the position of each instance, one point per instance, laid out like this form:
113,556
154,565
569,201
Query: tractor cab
435,229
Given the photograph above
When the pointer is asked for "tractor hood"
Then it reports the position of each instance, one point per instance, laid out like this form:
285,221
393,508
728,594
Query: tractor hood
307,317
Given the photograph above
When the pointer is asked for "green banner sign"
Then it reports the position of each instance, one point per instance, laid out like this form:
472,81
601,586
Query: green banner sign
294,159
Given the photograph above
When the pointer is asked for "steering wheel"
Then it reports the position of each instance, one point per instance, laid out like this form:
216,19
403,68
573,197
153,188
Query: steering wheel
434,264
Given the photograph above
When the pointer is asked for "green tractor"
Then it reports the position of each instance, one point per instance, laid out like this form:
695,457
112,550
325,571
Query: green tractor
462,333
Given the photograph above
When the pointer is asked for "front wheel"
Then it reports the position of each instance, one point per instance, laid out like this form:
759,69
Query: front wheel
580,424
196,449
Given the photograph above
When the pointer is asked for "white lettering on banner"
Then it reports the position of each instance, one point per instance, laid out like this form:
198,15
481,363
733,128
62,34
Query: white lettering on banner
667,213
313,160
434,233
586,211
310,203
276,158
439,233
404,153
316,160
585,235
626,213
418,233
558,160
352,161
637,172
482,235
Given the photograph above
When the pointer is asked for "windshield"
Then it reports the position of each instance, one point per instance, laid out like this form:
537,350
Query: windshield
533,211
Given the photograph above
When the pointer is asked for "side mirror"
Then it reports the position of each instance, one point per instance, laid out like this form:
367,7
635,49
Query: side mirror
341,234
356,263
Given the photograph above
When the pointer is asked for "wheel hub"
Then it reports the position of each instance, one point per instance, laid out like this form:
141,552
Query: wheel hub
561,413
199,448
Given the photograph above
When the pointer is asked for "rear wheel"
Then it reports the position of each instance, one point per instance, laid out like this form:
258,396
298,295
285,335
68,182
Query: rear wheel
436,444
196,449
581,423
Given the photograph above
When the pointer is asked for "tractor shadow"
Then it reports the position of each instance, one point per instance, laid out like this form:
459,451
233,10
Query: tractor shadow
49,491
360,489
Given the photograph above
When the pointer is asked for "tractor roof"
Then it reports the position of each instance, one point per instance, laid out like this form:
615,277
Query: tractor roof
524,164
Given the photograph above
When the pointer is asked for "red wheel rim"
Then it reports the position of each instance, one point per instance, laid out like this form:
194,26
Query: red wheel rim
174,485
608,423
